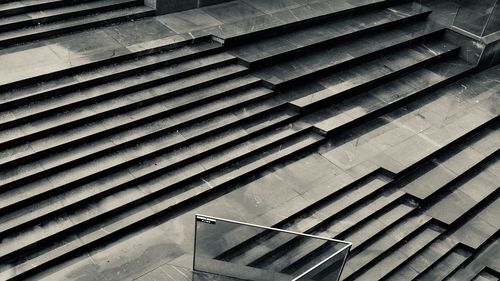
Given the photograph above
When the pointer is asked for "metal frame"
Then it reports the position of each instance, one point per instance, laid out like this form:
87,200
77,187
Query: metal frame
348,244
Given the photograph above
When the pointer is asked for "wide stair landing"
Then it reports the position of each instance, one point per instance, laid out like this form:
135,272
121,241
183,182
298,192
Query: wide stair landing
100,150
27,20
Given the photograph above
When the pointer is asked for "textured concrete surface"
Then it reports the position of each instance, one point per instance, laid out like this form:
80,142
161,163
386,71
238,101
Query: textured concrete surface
367,127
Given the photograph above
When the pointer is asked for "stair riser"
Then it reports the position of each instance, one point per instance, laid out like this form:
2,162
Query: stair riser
265,259
362,58
393,106
435,262
101,80
459,178
44,35
391,249
97,117
136,123
260,34
283,224
330,42
403,263
320,250
130,205
50,19
374,215
98,64
132,227
108,96
362,88
152,118
102,173
38,7
96,197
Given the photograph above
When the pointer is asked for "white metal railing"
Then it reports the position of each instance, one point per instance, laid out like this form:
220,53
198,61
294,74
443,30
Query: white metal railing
244,251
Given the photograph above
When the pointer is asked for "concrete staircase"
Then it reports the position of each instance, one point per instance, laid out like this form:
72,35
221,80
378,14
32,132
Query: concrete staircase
25,20
100,150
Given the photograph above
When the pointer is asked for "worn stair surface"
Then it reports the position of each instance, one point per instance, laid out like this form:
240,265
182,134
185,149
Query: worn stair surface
95,154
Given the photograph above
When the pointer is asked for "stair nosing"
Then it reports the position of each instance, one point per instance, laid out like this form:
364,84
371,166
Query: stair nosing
178,204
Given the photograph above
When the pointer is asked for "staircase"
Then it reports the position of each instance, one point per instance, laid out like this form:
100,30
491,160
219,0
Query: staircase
24,20
100,150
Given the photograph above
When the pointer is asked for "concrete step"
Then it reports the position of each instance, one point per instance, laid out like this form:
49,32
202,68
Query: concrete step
138,160
283,21
484,261
439,178
42,31
480,228
111,161
309,39
9,8
264,253
363,259
394,260
50,79
93,76
365,76
466,196
326,60
119,131
107,99
476,232
143,171
127,220
298,219
123,122
429,255
392,94
9,23
447,265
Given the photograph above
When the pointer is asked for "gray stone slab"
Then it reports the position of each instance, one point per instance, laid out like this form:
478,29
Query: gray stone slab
452,207
188,21
232,11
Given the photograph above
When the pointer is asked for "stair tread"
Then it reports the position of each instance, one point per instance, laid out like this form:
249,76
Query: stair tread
294,255
26,96
294,41
421,262
138,132
481,227
133,116
15,7
71,23
95,187
396,258
135,216
366,73
339,54
305,224
380,246
366,231
390,93
445,266
128,195
138,151
443,172
38,16
464,198
105,96
281,19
